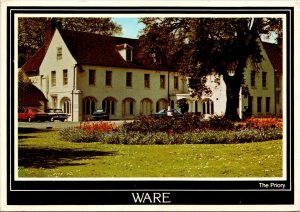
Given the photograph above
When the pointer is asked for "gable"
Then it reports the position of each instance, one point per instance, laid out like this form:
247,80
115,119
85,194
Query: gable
51,61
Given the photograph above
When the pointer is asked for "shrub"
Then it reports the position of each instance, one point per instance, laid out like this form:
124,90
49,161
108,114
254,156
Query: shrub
74,134
187,123
204,137
216,122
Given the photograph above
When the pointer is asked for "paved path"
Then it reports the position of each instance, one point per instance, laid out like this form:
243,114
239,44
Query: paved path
58,124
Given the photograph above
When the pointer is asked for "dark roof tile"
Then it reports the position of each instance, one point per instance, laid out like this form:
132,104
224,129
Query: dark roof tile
94,49
274,53
33,64
30,95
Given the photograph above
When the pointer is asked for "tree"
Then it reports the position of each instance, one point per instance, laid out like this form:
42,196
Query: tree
196,47
31,31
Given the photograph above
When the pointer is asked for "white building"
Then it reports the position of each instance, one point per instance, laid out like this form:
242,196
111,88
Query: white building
81,72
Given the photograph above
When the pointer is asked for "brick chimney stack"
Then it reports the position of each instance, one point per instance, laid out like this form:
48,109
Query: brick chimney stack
49,30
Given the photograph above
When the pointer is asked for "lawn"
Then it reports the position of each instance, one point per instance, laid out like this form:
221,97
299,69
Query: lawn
42,154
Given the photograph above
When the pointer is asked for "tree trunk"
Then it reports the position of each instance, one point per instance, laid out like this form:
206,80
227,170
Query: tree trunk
233,86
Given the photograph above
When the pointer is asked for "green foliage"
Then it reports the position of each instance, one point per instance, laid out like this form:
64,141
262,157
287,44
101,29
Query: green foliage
204,137
217,123
196,47
188,129
73,134
149,124
187,123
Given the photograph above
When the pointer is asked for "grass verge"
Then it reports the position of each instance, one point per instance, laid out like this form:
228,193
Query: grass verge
42,154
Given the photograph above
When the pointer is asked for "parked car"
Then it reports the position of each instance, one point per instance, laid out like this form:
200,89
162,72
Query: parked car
31,114
57,114
100,115
167,113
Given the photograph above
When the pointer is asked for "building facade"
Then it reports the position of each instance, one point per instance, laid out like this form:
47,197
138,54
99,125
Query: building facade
81,72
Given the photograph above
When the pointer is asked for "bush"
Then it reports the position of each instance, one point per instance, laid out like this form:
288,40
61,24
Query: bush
74,134
138,138
216,122
187,123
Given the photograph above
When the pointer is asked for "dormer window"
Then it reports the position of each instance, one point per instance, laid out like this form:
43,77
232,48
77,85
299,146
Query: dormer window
125,51
59,53
129,54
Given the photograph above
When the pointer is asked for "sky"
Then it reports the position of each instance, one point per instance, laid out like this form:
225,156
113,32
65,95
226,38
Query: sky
130,26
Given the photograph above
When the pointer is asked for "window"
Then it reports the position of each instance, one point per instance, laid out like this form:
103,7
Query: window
175,82
162,81
88,105
146,106
268,100
208,107
131,108
92,74
108,105
128,79
108,78
66,105
59,53
161,104
54,101
129,54
252,78
65,76
259,104
264,79
147,80
128,107
53,78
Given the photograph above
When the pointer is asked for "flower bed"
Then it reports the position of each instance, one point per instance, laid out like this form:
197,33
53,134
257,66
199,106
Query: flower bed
205,137
258,123
187,130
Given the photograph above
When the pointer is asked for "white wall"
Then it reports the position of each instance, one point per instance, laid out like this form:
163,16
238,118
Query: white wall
119,91
51,63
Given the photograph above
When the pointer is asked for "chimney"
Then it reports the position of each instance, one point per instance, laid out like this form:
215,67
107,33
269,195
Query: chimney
49,30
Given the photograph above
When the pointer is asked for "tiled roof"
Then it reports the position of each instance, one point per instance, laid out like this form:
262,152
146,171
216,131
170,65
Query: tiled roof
94,49
274,53
30,95
33,64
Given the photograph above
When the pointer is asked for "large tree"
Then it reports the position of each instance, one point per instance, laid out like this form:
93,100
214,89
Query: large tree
31,31
196,47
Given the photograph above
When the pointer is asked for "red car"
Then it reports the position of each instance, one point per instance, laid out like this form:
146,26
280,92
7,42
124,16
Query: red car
31,114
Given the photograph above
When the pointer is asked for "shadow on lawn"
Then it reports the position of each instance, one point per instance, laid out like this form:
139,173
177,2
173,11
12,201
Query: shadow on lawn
51,158
25,130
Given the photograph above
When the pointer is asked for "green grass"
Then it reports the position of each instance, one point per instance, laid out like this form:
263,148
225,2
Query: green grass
42,154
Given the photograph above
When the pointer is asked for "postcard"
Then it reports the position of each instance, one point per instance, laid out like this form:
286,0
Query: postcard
149,106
